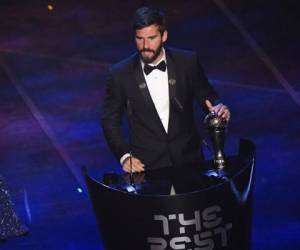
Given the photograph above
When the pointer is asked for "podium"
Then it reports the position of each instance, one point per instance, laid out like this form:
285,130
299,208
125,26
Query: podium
185,207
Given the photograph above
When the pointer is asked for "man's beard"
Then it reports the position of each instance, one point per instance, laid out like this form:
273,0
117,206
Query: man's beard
152,58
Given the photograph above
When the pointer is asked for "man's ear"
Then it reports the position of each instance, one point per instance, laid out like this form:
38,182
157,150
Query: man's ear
165,36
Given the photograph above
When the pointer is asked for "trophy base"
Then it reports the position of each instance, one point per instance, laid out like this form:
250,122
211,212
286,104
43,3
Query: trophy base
220,164
218,173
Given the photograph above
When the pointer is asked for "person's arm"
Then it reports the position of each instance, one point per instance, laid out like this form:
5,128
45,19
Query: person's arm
204,93
113,109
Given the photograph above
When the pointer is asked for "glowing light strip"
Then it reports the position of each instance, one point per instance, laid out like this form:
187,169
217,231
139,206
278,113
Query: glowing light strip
44,125
27,207
259,51
248,86
242,197
58,58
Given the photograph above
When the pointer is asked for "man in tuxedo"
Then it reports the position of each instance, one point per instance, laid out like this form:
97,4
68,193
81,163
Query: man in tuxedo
156,88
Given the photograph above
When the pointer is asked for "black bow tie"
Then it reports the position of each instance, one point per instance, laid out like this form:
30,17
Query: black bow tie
161,66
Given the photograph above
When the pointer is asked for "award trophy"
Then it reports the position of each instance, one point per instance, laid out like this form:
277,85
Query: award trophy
217,130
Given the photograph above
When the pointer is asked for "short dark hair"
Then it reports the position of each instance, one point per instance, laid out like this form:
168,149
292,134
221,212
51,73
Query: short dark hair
147,16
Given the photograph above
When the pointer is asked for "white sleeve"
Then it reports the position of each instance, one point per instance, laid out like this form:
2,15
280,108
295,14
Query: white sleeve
123,158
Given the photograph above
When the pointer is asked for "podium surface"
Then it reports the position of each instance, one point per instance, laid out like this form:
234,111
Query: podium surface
188,207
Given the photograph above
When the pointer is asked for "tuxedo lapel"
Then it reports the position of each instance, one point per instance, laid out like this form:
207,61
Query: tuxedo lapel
141,83
174,104
171,74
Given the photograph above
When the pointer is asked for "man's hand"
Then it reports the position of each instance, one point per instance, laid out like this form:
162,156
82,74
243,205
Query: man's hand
220,109
137,165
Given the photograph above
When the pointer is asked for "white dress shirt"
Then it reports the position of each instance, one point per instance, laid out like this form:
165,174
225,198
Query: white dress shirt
157,83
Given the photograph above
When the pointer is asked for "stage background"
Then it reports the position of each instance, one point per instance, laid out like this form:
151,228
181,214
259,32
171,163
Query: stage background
54,57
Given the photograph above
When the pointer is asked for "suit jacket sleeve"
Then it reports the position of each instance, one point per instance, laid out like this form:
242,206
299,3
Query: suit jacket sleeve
113,109
202,90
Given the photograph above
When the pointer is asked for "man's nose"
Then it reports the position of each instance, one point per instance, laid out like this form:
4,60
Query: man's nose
146,44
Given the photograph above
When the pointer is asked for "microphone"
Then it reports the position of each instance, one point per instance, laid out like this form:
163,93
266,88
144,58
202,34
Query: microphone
129,109
131,173
177,104
129,113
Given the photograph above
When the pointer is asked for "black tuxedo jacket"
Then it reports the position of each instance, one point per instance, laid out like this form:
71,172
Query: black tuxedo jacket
127,93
